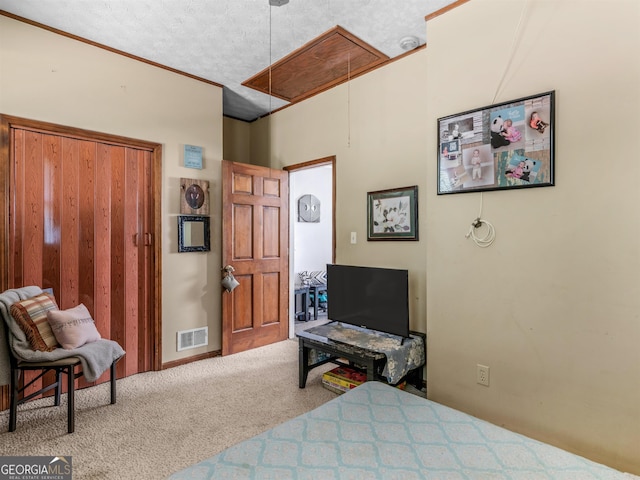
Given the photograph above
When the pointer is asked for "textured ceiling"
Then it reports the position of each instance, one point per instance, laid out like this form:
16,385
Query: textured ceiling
228,41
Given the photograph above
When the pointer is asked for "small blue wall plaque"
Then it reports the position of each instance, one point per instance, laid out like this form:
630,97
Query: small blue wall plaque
193,156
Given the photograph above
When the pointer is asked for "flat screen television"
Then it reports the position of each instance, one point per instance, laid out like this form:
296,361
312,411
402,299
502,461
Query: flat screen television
370,297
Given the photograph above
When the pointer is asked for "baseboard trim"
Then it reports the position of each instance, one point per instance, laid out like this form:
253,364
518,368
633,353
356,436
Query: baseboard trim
195,358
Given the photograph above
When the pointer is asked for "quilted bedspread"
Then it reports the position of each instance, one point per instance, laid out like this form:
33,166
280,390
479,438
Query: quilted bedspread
379,432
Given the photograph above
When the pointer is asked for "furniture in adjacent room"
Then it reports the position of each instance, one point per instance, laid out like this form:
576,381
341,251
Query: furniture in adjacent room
301,293
316,282
377,431
25,368
316,290
344,344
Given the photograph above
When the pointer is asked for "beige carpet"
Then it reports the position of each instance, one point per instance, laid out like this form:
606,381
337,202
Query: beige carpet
165,421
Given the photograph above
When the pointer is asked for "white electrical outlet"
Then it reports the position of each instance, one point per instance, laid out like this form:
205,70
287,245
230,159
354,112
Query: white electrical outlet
482,375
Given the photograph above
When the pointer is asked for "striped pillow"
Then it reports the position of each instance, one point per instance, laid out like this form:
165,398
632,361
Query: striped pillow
31,317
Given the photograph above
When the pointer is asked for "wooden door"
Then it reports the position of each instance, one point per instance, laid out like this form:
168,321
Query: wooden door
255,229
81,221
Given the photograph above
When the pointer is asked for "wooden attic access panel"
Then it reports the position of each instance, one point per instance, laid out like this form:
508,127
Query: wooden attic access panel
325,62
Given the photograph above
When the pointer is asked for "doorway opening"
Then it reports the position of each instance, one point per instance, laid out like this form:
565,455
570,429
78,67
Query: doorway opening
311,240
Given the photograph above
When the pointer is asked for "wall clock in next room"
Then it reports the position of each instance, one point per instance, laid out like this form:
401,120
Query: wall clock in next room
309,209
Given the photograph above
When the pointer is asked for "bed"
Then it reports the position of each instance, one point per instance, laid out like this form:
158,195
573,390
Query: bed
378,431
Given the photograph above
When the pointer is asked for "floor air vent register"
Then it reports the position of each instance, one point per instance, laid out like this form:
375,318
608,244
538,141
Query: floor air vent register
196,337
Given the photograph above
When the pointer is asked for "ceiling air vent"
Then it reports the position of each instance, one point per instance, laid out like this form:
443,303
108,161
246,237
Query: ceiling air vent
196,337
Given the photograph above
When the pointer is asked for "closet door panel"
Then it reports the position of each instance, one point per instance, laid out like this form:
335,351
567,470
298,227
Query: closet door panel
133,230
102,232
68,292
118,261
86,225
29,210
52,190
145,261
32,209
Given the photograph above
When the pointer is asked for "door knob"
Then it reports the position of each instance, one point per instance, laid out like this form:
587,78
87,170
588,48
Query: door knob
229,282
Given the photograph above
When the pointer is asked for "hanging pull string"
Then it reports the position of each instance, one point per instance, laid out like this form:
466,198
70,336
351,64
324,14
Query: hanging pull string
270,61
269,119
476,225
349,100
514,42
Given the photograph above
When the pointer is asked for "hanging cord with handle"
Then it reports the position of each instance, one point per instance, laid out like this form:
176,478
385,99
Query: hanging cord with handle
476,225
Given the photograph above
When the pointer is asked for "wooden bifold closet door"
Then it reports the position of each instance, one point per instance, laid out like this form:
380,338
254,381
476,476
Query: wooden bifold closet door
80,221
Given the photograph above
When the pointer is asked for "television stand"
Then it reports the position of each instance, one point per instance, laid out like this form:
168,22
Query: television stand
316,350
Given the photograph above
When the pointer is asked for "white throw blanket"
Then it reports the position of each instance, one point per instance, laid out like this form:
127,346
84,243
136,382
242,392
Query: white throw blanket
95,357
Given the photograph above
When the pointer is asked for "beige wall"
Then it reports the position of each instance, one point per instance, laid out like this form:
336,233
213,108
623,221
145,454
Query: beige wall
236,140
552,306
376,132
47,77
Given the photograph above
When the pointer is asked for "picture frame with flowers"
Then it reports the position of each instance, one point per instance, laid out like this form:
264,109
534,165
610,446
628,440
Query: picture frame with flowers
393,214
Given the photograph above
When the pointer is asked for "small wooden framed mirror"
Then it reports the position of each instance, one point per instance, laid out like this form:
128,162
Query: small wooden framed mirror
193,234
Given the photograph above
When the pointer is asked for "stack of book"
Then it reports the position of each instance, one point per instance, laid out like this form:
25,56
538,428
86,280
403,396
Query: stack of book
341,379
